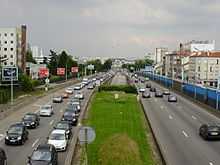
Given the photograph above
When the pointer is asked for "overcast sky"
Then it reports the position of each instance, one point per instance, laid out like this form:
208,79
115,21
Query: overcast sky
113,28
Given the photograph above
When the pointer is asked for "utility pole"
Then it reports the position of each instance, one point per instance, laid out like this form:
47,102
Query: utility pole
12,92
66,71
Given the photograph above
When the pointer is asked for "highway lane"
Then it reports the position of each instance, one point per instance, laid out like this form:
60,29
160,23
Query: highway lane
18,154
176,128
119,79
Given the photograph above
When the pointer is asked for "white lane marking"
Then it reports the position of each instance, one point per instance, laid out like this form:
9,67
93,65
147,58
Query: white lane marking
37,105
210,163
36,111
51,122
185,134
194,117
170,117
61,111
35,142
2,136
161,107
155,100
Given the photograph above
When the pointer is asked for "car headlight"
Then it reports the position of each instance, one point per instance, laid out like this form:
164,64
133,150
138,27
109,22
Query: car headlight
19,138
7,137
74,119
32,123
67,131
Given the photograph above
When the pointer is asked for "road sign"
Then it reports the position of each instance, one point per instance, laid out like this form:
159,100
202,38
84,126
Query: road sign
91,67
43,72
60,71
74,69
9,73
86,135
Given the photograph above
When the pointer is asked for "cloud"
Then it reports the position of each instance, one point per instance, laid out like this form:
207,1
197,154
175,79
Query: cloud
112,28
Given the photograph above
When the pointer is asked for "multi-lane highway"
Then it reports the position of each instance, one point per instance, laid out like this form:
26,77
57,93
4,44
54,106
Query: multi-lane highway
176,127
17,155
119,79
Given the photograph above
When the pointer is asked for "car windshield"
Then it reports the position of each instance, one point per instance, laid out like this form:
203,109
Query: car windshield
57,136
29,117
15,130
62,126
214,128
41,155
46,107
68,113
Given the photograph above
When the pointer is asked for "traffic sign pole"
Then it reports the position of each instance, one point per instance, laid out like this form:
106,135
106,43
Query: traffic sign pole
12,92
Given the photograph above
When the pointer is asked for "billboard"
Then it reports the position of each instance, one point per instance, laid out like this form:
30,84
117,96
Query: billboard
43,72
60,71
91,67
9,73
74,69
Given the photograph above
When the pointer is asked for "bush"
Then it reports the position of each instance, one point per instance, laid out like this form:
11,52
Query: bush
4,95
124,88
26,83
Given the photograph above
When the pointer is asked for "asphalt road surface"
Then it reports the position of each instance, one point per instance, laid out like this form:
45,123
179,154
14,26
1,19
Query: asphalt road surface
119,79
176,127
17,155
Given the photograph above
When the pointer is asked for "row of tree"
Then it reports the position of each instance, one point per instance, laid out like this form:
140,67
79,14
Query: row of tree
139,64
64,60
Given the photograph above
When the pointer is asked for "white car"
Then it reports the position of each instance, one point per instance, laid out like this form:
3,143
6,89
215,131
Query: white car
79,95
58,139
142,90
77,87
69,90
46,110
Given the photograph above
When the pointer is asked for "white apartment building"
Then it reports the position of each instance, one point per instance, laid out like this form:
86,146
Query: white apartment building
13,47
160,54
204,68
8,46
196,46
37,54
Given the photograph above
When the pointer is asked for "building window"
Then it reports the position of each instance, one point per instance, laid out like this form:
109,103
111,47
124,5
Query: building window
12,34
12,42
6,42
12,49
11,56
11,63
5,63
198,68
5,49
210,69
5,34
5,56
217,61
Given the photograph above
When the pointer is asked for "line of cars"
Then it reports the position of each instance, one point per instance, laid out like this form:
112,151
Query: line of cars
149,89
18,133
209,131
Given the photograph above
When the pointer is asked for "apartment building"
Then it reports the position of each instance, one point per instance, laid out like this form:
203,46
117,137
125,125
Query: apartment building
13,47
160,60
204,68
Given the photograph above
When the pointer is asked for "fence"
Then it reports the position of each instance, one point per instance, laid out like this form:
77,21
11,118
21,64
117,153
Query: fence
205,95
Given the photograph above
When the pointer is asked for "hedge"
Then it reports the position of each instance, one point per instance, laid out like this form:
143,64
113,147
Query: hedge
123,88
4,95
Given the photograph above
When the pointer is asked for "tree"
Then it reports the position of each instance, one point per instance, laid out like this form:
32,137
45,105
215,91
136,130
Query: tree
107,65
29,57
53,64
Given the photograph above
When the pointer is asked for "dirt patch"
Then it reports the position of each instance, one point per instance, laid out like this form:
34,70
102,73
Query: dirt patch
119,150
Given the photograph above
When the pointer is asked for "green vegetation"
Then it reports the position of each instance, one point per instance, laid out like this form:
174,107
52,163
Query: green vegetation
123,88
121,135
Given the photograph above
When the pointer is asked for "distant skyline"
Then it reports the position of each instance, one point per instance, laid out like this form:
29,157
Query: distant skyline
113,28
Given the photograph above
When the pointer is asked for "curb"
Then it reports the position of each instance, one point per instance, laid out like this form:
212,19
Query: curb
158,145
74,140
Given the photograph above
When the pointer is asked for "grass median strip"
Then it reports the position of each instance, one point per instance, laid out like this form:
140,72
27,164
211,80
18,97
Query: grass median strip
121,137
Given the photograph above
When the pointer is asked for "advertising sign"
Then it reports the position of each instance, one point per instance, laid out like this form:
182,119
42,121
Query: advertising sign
91,67
43,72
60,71
74,69
9,73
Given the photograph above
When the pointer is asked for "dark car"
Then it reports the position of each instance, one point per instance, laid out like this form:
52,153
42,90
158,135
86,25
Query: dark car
74,107
71,117
57,99
91,86
146,95
142,81
210,131
136,80
148,85
152,89
16,134
3,158
158,94
166,92
31,120
172,98
64,125
44,154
